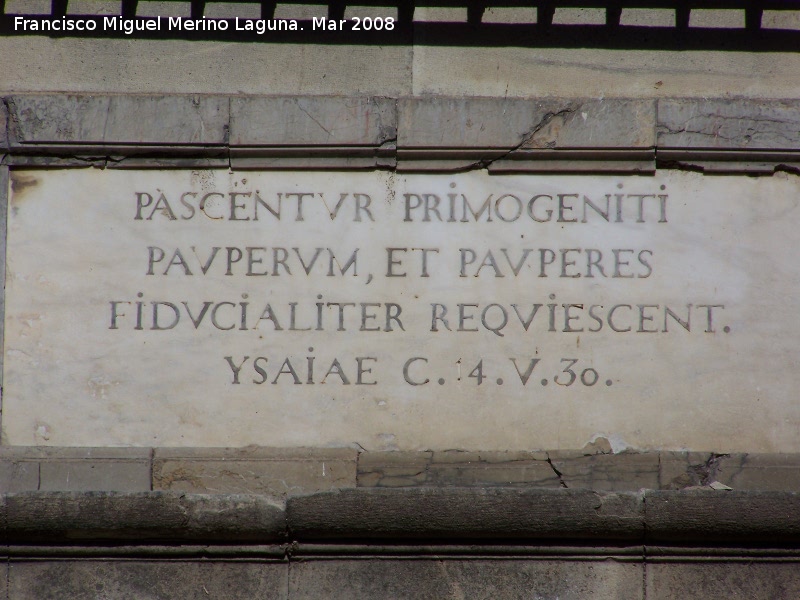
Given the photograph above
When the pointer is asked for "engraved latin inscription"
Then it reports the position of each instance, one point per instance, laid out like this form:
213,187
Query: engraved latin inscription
210,307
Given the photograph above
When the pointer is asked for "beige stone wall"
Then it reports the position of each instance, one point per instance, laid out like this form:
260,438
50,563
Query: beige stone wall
39,64
82,65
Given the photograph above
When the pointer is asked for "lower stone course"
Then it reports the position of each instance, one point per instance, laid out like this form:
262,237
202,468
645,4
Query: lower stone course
415,577
144,579
703,580
473,579
282,473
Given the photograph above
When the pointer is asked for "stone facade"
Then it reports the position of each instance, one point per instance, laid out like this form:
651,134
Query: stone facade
592,522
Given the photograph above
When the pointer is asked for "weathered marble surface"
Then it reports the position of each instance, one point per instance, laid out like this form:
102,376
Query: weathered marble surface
75,376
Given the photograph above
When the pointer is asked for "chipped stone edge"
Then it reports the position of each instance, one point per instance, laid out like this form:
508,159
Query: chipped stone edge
514,125
706,151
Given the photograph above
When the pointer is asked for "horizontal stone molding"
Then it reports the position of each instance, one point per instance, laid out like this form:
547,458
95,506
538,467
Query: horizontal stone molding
408,516
62,516
287,551
407,134
284,472
465,514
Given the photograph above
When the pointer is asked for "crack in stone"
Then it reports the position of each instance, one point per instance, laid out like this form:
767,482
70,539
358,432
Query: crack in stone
384,130
526,139
746,135
359,452
739,118
93,160
557,472
105,122
308,114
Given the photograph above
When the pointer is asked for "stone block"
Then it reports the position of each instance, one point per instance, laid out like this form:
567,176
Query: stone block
474,579
58,516
711,516
464,514
761,472
254,470
78,469
455,468
123,119
18,476
729,124
752,580
519,124
608,472
91,475
133,580
308,121
172,120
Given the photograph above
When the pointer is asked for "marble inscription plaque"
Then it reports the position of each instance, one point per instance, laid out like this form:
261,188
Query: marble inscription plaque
209,308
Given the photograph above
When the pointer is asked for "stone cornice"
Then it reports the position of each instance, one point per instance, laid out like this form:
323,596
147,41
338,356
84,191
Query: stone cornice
407,134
